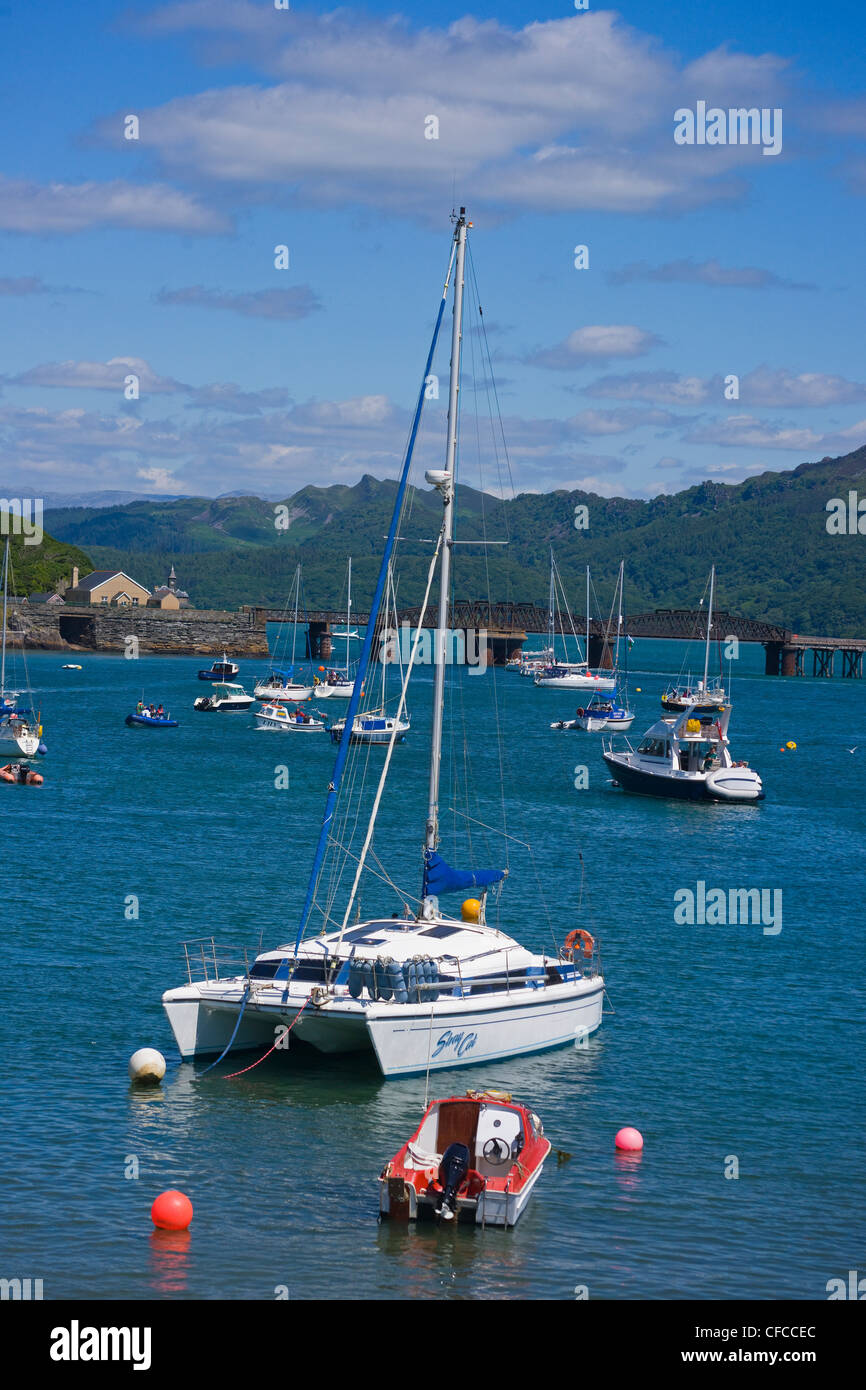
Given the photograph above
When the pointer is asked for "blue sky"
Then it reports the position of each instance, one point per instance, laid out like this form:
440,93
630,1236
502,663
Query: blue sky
261,127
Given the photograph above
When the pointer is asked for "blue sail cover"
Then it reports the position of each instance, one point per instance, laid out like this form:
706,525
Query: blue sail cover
440,878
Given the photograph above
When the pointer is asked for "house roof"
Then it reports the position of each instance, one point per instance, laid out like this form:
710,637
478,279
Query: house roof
98,577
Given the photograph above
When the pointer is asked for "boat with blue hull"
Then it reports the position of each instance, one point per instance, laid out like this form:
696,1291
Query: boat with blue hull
423,990
224,670
150,721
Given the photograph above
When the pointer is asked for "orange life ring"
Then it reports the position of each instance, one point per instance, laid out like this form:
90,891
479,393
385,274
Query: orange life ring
581,938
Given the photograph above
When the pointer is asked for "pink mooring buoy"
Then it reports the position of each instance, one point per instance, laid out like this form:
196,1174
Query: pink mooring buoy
629,1140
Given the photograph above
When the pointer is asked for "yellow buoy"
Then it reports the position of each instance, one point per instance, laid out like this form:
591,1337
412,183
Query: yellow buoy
471,910
790,744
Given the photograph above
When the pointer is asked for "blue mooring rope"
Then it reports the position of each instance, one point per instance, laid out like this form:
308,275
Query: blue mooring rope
231,1039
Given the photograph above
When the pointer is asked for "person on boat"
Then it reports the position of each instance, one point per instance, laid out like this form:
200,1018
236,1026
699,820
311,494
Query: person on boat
160,713
139,707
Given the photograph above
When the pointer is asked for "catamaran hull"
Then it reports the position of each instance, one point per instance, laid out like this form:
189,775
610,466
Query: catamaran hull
203,1028
405,1046
405,1041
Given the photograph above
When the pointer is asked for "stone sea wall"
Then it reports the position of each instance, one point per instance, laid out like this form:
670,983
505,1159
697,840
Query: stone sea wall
183,632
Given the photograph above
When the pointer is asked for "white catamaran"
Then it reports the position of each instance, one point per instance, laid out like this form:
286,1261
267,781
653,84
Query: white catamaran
424,990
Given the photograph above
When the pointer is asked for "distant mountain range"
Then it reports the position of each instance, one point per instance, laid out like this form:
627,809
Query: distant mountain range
767,536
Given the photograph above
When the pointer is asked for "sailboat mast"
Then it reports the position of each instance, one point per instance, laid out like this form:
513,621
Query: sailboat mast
348,615
587,617
618,616
709,626
431,835
295,623
5,590
550,613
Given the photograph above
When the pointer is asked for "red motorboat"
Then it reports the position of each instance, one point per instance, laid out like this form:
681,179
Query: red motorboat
473,1158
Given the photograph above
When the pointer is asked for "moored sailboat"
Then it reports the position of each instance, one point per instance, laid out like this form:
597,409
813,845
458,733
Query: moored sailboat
20,723
422,990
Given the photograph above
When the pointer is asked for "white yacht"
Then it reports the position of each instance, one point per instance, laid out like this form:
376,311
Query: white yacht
224,698
338,684
569,675
686,756
425,989
284,684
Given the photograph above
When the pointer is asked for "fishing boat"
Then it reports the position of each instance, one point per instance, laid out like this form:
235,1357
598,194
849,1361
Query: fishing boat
224,670
280,685
474,1159
20,722
338,684
297,721
686,756
224,698
424,989
568,675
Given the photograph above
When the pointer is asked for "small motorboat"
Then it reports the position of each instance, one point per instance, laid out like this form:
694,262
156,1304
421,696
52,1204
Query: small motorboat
70,666
371,728
145,719
599,714
21,774
474,1159
224,698
296,721
224,670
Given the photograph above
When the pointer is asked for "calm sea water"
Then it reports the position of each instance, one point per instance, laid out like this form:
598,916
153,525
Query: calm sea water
723,1041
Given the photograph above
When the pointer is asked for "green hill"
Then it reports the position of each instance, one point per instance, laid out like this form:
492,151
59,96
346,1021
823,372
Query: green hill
40,568
767,536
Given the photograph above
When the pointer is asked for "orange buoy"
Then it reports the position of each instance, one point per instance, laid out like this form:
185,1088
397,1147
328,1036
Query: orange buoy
172,1211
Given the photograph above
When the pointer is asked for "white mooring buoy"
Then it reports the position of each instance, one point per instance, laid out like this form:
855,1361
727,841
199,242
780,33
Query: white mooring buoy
147,1065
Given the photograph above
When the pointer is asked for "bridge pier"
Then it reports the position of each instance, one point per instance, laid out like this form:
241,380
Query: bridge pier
852,663
783,659
822,661
600,654
319,641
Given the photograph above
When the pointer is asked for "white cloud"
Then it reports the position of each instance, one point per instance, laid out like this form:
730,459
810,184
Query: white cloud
59,207
576,112
595,343
98,376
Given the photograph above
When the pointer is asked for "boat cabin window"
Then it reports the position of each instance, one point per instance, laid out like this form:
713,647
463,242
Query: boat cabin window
266,969
654,748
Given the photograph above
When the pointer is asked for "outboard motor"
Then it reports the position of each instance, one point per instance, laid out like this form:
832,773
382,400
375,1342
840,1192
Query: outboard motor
452,1172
